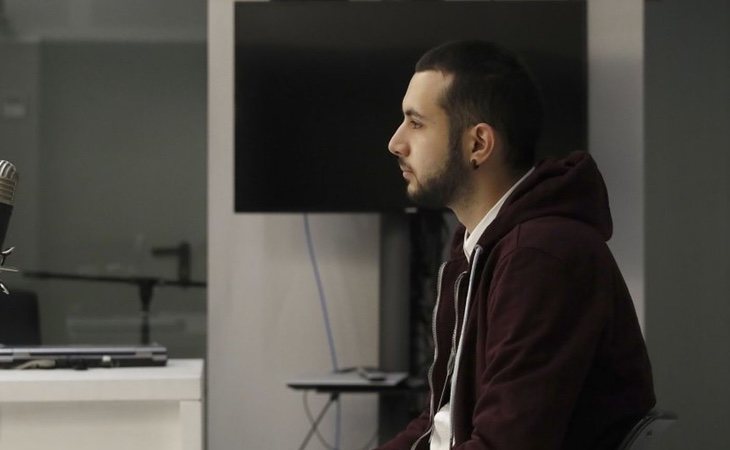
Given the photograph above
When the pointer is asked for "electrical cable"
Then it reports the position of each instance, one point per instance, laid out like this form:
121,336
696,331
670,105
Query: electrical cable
322,300
310,417
322,440
328,328
338,423
36,364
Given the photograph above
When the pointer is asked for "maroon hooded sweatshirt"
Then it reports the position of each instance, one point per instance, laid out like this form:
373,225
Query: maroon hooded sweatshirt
552,356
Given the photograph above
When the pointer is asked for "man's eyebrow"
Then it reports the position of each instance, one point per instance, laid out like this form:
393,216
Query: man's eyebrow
410,112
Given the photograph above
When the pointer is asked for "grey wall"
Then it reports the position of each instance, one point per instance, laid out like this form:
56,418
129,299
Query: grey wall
123,21
616,127
688,216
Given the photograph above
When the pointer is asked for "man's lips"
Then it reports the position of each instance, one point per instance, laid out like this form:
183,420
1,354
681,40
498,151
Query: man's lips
406,171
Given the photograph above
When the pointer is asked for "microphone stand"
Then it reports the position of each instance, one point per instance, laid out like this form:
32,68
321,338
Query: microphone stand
3,256
145,286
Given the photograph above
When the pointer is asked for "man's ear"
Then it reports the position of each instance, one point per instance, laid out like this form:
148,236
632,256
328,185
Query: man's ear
483,141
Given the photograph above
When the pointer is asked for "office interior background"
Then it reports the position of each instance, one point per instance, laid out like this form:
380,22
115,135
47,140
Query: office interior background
118,115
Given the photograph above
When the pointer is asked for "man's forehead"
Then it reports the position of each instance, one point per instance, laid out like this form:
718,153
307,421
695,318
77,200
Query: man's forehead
425,90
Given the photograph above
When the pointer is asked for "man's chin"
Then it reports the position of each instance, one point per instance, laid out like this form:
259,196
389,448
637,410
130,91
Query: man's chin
424,199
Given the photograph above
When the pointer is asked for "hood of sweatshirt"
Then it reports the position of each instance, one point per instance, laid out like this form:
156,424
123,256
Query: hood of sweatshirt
570,187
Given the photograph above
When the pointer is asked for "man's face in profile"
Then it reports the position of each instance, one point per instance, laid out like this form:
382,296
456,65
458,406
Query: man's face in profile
433,167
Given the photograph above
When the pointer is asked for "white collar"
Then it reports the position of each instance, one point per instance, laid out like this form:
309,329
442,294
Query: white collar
470,240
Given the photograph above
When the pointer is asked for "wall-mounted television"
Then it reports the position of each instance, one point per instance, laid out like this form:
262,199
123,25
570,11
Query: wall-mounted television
319,84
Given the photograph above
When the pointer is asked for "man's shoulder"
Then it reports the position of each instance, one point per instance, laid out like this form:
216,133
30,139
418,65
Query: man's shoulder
563,238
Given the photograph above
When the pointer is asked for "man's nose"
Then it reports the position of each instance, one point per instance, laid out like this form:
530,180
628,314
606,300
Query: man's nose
397,144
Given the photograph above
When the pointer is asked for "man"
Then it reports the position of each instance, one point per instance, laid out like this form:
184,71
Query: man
537,345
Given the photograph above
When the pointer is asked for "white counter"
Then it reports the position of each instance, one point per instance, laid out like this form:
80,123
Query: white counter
137,408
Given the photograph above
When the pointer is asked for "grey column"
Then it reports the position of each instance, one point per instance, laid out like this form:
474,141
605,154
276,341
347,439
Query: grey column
394,316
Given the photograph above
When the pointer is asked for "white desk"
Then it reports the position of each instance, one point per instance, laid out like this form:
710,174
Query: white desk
141,408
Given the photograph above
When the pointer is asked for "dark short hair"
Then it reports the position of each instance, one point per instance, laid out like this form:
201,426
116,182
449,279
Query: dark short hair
490,85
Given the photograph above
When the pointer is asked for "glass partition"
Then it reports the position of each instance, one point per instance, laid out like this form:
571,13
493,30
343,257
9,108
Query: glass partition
102,110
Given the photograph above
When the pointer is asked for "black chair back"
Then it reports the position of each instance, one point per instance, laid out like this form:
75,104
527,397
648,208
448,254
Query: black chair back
647,429
19,319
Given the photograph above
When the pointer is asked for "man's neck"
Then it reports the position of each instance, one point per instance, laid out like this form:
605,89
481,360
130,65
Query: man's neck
485,193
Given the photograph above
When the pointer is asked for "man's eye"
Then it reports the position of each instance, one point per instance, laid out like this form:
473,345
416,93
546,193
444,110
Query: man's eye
414,124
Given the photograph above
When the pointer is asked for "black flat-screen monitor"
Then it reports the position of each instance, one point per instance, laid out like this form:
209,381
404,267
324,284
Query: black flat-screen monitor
318,90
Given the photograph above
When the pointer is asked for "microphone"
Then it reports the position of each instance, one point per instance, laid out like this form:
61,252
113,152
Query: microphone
8,182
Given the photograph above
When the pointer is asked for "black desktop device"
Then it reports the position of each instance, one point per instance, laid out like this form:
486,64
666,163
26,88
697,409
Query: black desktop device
319,84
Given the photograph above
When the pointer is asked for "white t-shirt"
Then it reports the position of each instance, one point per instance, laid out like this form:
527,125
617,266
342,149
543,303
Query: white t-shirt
441,433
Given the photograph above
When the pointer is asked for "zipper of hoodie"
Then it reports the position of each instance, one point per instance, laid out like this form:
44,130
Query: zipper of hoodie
435,353
477,252
452,353
450,362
